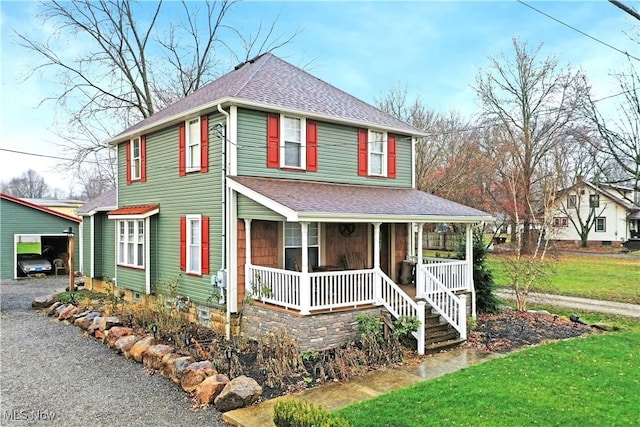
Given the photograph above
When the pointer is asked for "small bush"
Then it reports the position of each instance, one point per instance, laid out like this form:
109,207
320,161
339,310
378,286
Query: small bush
296,413
406,325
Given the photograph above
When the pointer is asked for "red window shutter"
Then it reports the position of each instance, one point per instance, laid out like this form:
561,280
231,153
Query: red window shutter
204,144
273,141
182,161
183,243
391,156
312,146
143,158
205,245
363,152
127,147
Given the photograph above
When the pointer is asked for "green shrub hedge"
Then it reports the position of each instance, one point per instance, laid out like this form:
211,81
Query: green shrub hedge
296,413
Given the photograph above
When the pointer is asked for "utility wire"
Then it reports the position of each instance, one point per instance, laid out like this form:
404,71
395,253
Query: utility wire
579,31
626,9
44,155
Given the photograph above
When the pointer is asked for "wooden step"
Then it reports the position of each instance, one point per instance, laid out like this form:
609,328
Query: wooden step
441,336
443,345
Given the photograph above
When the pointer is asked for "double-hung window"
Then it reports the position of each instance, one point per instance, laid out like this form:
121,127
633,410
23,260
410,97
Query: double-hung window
293,244
136,159
572,201
377,153
193,161
131,242
194,244
601,224
560,222
293,142
594,200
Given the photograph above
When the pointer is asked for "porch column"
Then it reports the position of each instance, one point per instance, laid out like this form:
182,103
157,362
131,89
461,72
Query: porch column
409,240
377,280
247,254
305,283
420,290
469,258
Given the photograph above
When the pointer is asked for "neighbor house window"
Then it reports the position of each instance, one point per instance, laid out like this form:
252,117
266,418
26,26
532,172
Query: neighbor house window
193,145
571,201
377,153
601,224
292,144
131,242
560,222
594,201
194,244
136,159
293,244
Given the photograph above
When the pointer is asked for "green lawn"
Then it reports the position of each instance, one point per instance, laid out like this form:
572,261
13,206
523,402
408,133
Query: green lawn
600,277
580,382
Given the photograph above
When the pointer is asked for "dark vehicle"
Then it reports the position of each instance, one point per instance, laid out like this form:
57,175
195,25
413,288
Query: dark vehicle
33,264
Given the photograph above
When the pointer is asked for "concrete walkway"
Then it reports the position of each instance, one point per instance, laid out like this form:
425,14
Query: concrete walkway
340,394
582,304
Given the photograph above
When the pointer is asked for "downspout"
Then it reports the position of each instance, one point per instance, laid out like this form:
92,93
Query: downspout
223,266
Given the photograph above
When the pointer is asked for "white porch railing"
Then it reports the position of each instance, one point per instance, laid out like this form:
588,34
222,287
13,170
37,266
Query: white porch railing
338,289
274,286
454,275
451,307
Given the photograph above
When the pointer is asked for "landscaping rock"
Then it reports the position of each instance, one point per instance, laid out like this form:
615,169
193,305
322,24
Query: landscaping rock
68,312
60,309
116,333
108,323
124,344
99,335
87,320
211,387
52,309
44,301
603,327
174,365
152,359
138,350
195,373
238,393
95,324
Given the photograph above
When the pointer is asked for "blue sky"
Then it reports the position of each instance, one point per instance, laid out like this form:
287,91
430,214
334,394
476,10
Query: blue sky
365,48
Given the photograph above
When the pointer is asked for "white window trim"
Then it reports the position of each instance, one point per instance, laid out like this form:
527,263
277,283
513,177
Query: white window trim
122,253
303,143
604,224
189,219
189,166
134,175
284,239
385,152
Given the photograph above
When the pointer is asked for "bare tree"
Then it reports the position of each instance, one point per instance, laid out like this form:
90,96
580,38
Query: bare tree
128,66
30,185
619,145
534,103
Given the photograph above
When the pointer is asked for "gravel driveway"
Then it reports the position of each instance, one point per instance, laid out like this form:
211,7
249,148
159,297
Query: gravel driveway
48,370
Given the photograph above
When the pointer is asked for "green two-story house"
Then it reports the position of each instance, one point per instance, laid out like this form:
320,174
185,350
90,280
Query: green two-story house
271,186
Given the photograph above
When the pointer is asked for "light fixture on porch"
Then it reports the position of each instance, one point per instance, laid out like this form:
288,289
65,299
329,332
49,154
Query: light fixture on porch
347,229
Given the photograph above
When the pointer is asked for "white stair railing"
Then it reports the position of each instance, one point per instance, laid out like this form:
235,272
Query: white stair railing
449,305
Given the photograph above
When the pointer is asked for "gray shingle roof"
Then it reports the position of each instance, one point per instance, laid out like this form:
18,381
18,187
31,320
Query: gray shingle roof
319,198
270,81
105,202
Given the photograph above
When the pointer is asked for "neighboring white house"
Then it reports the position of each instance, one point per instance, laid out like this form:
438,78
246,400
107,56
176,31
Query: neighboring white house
612,213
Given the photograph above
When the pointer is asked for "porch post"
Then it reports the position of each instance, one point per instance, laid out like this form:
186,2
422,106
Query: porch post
409,240
420,290
469,258
247,254
377,280
305,283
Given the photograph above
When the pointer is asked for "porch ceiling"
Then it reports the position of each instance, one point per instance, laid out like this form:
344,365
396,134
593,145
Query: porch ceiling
299,200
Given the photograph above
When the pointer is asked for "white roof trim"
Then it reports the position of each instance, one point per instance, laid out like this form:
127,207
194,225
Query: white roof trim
136,216
269,203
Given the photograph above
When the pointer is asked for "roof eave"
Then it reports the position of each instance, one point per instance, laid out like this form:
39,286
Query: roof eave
367,218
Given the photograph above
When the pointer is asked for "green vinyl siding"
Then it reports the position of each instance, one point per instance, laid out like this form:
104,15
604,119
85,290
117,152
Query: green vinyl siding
107,248
195,193
250,209
103,260
337,154
86,246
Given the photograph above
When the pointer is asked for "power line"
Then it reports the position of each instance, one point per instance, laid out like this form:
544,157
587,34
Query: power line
579,31
45,156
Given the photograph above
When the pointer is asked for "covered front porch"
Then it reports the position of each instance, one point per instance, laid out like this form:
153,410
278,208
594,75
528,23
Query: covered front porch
312,262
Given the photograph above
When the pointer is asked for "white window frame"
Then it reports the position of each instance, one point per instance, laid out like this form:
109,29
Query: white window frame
195,245
313,238
572,201
302,142
596,225
383,154
189,145
136,161
130,242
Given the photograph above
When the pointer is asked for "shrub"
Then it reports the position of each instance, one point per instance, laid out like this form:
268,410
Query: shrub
369,326
406,325
486,301
296,413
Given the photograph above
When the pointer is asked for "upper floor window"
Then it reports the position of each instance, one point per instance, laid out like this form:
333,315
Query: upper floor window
594,200
601,224
572,201
293,142
376,153
136,158
560,222
193,145
131,243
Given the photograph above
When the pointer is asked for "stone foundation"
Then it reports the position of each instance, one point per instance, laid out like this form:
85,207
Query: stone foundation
314,333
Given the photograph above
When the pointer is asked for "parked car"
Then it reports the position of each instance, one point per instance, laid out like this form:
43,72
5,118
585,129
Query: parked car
33,263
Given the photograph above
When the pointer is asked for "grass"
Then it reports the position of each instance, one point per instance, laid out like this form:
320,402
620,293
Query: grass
585,381
599,277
